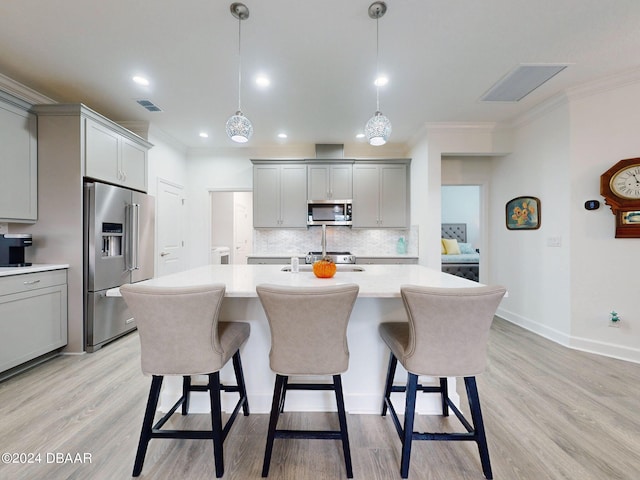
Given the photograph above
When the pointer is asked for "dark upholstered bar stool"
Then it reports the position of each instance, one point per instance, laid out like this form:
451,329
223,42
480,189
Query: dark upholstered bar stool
446,336
308,337
180,335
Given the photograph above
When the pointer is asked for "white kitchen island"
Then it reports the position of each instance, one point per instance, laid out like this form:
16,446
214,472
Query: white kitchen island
378,300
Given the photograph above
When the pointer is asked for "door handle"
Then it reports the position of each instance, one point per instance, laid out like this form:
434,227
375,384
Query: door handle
164,254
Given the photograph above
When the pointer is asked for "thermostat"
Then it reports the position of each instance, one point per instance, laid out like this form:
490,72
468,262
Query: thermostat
592,204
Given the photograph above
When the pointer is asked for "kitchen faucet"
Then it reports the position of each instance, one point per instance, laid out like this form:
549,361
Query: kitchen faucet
324,241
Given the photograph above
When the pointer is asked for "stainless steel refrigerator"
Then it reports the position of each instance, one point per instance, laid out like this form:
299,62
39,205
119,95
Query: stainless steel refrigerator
119,248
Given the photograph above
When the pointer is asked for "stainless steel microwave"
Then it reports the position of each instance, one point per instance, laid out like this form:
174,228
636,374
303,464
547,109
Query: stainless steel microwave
329,212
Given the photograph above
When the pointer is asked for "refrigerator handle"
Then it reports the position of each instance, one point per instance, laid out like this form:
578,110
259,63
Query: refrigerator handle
128,233
135,237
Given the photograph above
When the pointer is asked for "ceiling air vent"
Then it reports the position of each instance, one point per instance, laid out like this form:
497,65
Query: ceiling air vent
521,81
149,105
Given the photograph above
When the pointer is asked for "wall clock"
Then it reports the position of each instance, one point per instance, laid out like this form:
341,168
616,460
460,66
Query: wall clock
620,187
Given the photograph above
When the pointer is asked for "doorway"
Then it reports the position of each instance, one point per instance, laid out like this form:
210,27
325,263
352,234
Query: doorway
170,227
232,224
466,204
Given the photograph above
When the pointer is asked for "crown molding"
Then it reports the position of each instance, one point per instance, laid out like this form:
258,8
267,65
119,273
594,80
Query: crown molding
22,91
605,84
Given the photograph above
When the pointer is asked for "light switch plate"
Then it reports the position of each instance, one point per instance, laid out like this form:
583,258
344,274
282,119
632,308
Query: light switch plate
554,241
4,228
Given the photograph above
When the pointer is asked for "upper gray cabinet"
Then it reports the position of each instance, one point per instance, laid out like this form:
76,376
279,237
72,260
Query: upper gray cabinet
114,158
279,195
381,195
105,150
329,182
19,160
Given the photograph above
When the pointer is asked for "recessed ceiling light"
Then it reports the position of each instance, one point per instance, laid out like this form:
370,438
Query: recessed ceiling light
381,81
141,81
282,135
360,135
204,134
263,81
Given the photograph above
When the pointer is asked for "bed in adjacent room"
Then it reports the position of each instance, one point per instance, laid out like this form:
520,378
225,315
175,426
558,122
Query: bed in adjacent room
459,257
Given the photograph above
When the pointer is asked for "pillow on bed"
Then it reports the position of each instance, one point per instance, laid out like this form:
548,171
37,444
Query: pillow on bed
443,250
466,248
451,245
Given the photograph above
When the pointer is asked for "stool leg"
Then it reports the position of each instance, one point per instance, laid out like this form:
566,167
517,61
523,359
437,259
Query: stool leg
409,414
147,423
444,393
186,394
237,368
216,422
391,372
478,424
284,394
273,422
342,417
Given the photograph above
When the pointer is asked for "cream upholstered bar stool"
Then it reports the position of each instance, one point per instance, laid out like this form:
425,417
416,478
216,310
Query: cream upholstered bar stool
180,335
446,336
308,337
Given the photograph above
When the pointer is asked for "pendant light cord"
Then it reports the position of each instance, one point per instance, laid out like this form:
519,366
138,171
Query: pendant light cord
377,67
239,62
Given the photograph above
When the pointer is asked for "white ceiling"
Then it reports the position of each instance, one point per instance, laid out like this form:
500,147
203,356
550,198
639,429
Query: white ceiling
441,57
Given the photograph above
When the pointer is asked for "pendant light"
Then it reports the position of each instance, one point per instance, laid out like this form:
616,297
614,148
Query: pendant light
378,128
239,128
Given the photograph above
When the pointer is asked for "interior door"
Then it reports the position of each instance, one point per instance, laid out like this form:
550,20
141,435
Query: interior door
242,226
169,217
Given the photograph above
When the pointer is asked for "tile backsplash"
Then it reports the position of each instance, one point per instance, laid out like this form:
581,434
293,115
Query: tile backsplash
363,242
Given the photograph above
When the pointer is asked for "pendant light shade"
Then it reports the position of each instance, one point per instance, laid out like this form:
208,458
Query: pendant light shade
239,128
378,128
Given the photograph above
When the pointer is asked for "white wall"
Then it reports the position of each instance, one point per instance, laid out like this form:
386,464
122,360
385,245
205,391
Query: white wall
537,276
167,160
604,270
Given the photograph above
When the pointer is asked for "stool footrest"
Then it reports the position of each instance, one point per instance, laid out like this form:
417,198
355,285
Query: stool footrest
309,434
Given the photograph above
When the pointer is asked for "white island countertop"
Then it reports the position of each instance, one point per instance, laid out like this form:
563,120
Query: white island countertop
376,281
35,268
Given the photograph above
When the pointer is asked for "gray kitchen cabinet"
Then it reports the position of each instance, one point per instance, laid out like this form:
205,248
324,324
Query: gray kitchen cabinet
19,160
113,158
280,195
386,260
271,260
33,316
381,195
329,182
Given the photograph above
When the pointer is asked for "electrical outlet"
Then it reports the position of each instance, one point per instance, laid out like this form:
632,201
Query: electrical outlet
4,228
614,319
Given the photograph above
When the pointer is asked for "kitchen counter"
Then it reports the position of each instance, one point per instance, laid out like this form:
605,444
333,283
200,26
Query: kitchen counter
378,300
40,267
376,281
282,259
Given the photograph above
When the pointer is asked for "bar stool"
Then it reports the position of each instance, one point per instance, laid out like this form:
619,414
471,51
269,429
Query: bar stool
446,336
308,337
180,335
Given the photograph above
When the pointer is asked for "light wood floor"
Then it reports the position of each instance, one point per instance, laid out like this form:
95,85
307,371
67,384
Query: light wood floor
550,413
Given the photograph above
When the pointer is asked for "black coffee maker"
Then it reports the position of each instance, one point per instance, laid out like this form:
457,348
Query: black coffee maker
12,249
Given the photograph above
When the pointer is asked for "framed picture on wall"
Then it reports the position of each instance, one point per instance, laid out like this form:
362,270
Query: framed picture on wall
523,213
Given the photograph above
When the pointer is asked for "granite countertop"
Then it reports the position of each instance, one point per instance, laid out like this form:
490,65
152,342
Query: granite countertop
39,267
375,281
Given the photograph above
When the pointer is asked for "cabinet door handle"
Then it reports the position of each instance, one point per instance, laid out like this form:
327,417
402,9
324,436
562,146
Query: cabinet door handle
164,254
31,282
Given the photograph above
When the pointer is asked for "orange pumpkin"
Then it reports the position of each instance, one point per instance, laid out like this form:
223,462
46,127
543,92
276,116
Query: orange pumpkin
324,268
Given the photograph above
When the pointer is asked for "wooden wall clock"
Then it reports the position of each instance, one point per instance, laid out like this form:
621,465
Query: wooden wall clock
620,187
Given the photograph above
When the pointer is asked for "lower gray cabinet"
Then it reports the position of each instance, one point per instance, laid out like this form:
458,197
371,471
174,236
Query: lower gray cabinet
33,316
